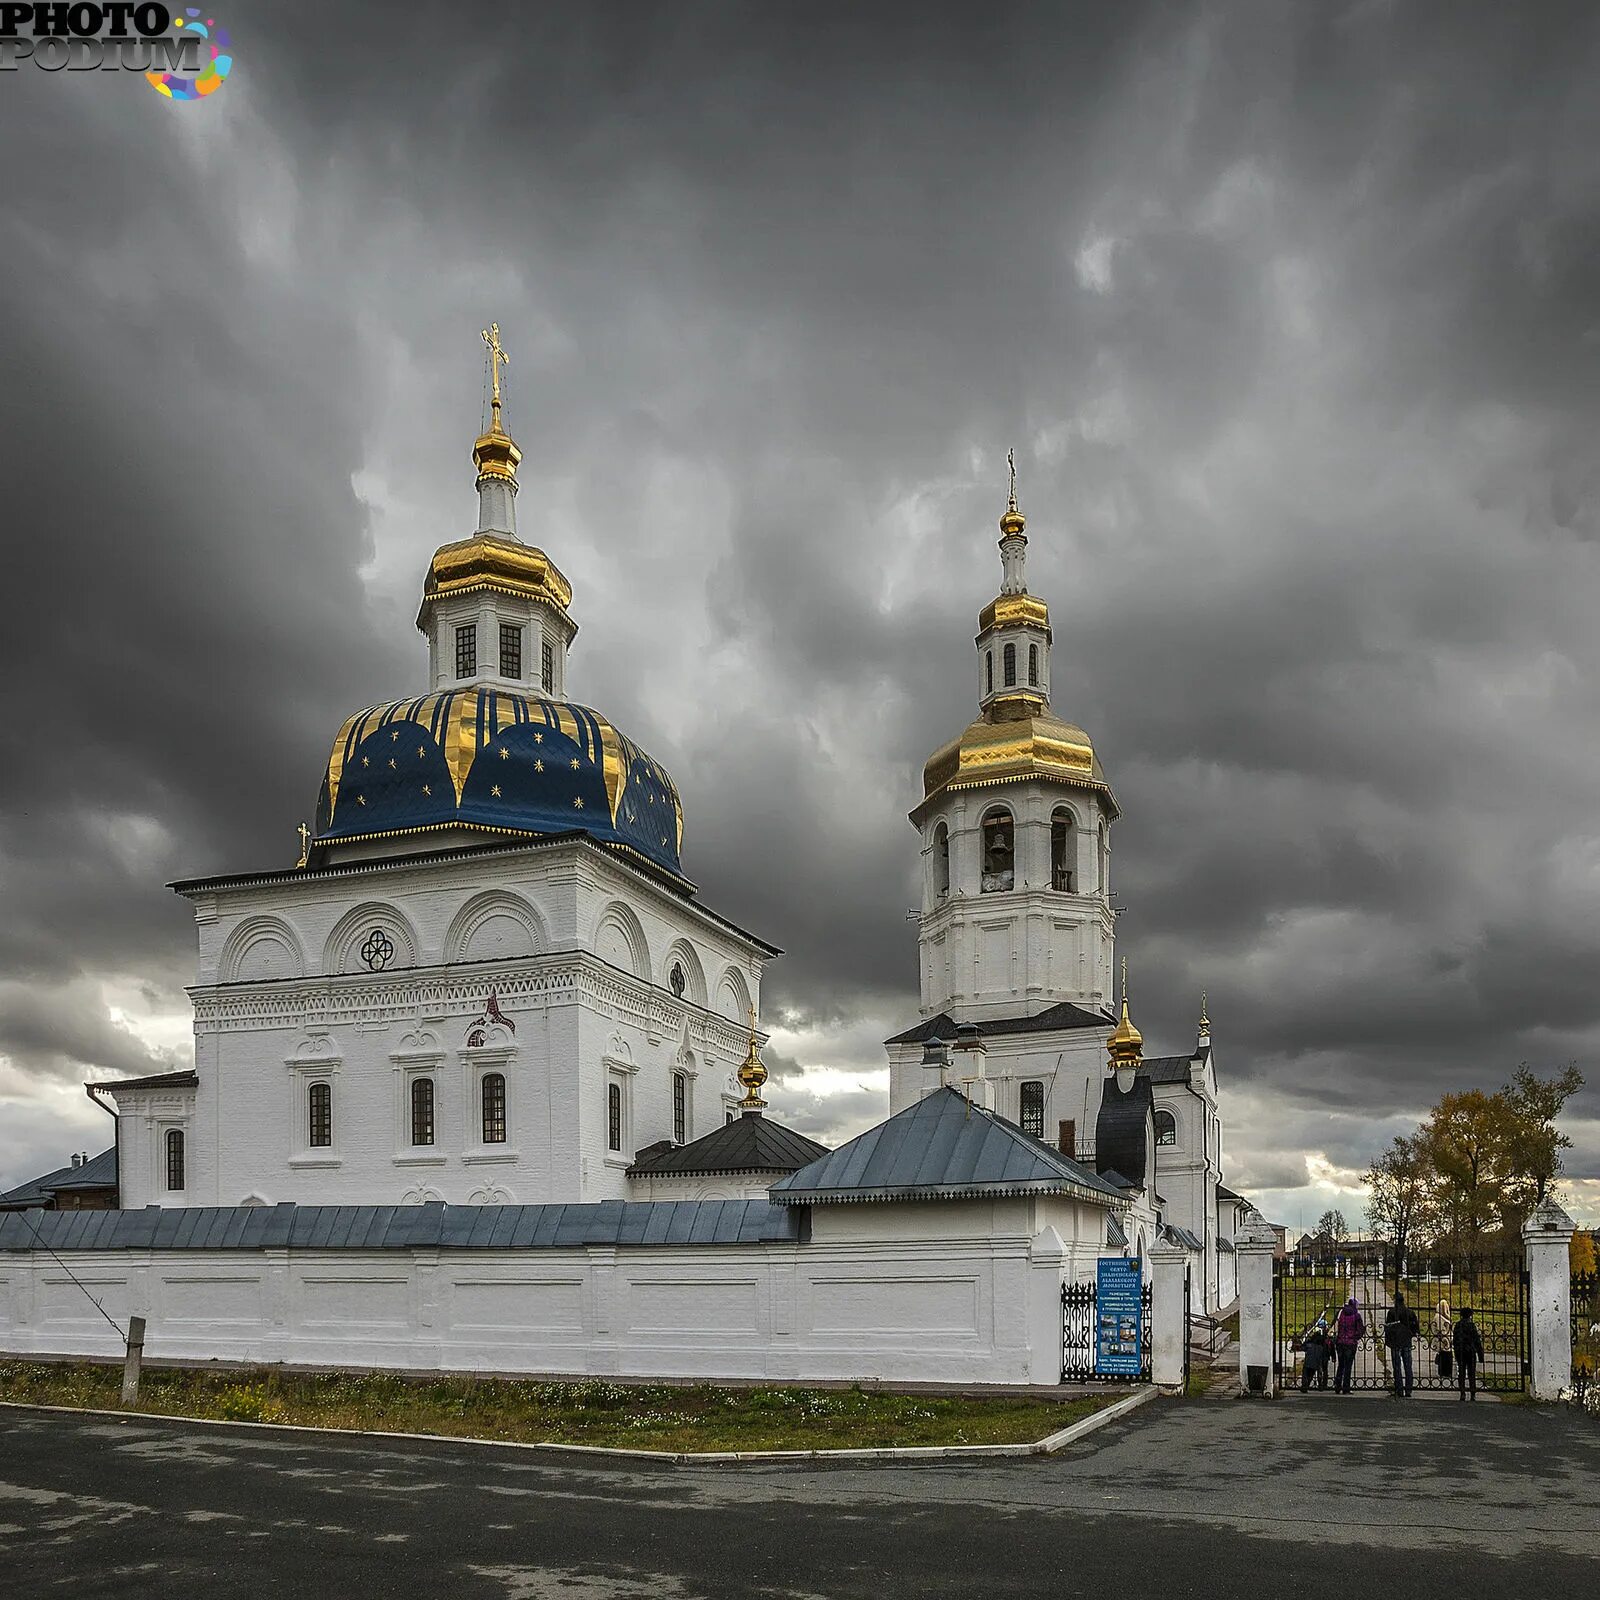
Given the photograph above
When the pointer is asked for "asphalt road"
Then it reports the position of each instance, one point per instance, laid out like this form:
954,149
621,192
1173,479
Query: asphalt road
1213,1498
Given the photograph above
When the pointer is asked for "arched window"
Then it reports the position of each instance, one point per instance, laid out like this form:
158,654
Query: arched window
494,1107
1166,1128
1011,665
174,1159
320,1116
941,860
999,852
614,1116
1063,850
1032,1108
988,671
680,1108
422,1111
1033,665
1105,861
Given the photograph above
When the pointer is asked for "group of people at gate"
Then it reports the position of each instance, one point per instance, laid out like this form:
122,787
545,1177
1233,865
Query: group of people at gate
1456,1343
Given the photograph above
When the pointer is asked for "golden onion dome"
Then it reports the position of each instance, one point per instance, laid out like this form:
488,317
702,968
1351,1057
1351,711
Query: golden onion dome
498,562
1015,739
1012,522
752,1074
496,454
1126,1045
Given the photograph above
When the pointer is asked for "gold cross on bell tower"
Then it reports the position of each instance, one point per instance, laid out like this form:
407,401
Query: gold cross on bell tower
497,359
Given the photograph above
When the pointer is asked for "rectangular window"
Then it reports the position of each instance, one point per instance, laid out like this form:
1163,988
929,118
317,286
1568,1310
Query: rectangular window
174,1159
680,1108
1033,1109
547,666
467,650
321,1118
422,1111
494,1108
614,1116
510,650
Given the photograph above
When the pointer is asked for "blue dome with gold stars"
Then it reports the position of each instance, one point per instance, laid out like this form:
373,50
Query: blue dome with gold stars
503,761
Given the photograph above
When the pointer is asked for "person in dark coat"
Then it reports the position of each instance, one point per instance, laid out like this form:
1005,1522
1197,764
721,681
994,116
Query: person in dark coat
1400,1328
1346,1336
1468,1343
1319,1350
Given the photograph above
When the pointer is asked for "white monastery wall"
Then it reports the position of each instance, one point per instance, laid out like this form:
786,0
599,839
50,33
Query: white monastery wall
960,1307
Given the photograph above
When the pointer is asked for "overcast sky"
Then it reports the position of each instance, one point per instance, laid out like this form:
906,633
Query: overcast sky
1292,313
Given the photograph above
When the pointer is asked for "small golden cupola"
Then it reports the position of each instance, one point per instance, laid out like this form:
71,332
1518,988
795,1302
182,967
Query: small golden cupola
752,1074
1125,1046
495,610
1016,736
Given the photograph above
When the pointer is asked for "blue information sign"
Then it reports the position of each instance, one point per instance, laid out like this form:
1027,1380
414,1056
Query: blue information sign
1119,1318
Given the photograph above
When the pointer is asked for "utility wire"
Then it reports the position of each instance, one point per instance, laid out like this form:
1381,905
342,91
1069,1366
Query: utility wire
122,1333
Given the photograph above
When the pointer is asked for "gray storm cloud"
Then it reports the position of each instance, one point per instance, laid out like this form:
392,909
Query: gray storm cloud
1293,320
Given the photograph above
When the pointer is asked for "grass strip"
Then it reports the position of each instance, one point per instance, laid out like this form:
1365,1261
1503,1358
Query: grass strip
597,1412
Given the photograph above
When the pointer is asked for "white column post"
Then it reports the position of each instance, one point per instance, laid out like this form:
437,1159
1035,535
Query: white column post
1169,1326
1547,1235
1048,1259
1255,1248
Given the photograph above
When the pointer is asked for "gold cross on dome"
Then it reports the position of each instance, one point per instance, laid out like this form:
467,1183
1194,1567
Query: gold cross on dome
305,845
1011,461
497,359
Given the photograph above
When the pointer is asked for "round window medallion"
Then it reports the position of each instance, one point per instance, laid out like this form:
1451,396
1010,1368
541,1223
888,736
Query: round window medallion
378,951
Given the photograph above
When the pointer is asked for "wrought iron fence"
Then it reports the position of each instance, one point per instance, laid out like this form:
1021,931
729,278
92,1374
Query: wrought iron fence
1494,1289
1079,1322
1585,1335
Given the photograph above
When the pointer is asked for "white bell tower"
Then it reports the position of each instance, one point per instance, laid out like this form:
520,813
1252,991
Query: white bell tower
1016,831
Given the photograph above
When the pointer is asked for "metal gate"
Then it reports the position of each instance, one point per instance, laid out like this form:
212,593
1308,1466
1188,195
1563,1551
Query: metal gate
1494,1288
1079,1320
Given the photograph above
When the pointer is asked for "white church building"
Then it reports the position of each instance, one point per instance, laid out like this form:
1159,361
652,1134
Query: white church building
477,1082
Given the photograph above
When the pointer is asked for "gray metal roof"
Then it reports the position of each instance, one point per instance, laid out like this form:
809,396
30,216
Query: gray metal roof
1166,1069
1183,1236
750,1143
98,1172
943,1147
1115,1237
433,1226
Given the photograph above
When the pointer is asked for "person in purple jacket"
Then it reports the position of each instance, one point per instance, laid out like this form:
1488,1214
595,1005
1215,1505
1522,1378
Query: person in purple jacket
1346,1336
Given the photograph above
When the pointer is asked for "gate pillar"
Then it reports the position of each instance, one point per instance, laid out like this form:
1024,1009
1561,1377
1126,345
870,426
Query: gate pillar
1169,1315
1547,1234
1255,1248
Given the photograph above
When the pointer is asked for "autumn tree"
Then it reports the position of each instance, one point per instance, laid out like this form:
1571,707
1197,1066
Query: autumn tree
1536,1142
1397,1194
1491,1158
1581,1252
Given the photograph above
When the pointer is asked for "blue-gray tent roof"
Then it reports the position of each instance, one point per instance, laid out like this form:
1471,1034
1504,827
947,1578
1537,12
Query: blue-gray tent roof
943,1147
435,1226
750,1143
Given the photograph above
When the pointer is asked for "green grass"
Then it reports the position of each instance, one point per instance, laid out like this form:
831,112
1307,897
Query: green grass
598,1412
